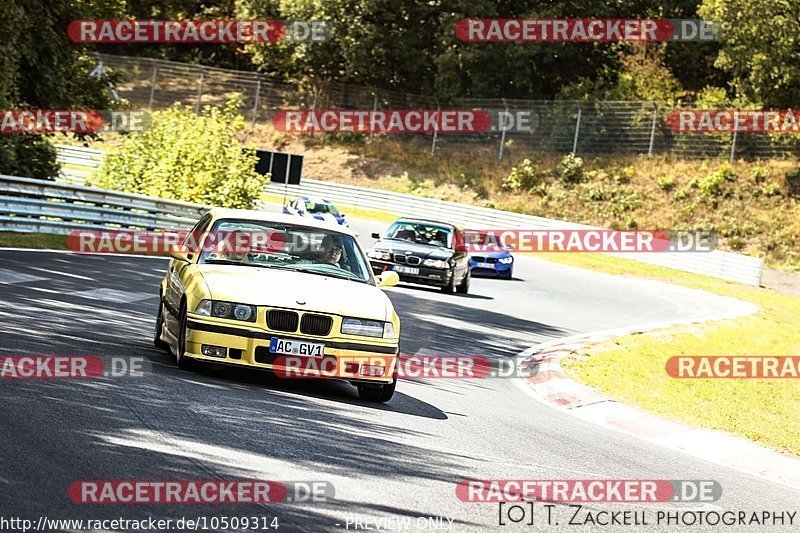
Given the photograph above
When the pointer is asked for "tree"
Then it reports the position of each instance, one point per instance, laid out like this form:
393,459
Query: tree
40,68
760,46
189,157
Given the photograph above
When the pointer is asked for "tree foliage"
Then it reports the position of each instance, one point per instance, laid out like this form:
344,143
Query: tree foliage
40,68
760,48
411,46
188,157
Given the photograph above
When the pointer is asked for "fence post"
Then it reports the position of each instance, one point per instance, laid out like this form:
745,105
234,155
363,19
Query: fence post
502,133
653,130
255,105
152,86
435,132
200,92
577,129
733,146
374,109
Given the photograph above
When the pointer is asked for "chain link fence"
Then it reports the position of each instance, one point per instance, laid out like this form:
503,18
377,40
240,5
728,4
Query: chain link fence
560,127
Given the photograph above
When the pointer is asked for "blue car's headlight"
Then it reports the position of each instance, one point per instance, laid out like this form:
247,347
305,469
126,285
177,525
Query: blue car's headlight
506,260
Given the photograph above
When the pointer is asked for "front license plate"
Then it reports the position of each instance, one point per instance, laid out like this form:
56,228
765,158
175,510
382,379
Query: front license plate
295,347
406,270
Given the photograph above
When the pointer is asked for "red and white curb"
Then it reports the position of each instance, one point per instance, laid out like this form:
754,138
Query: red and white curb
550,385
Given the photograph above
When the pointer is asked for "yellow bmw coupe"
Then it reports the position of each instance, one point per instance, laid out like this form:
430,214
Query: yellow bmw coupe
266,291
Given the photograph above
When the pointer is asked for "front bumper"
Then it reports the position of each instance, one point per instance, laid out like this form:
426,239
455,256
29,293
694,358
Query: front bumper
249,346
495,269
426,276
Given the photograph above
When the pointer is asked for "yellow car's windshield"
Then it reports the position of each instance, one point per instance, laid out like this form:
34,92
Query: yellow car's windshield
285,246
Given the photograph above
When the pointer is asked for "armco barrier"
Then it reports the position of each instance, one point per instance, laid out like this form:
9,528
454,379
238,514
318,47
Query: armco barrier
717,264
31,205
77,162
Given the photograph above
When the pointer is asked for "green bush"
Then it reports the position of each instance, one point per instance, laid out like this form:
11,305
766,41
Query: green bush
598,193
570,169
769,189
28,155
188,157
682,194
522,177
713,185
667,183
759,174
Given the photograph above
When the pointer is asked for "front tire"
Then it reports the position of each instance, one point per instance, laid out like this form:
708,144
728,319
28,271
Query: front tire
463,287
451,285
183,362
157,342
380,394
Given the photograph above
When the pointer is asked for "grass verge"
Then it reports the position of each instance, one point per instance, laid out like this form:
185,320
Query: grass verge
11,239
631,368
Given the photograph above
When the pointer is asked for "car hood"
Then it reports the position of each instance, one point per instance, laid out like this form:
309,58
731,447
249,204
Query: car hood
495,253
282,288
424,251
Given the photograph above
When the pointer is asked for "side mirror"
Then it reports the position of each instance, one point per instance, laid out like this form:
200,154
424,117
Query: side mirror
376,235
180,255
388,278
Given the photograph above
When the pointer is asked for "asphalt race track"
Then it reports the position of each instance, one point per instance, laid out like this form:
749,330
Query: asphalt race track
399,459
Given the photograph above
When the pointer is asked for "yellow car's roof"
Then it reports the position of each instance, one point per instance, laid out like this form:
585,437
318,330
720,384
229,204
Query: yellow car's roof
250,214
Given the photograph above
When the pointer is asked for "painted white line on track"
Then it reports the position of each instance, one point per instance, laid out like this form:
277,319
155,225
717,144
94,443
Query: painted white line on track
70,252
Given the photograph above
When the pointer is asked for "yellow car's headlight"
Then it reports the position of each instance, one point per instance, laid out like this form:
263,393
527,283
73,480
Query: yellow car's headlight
368,328
388,331
229,310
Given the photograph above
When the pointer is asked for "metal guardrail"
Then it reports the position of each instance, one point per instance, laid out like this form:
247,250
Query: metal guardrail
78,163
718,264
31,205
